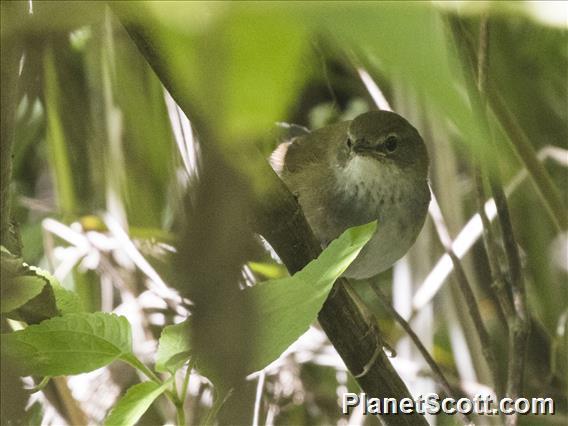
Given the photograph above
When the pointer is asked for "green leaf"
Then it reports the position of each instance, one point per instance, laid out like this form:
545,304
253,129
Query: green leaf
237,53
67,301
173,347
16,286
134,403
11,263
24,294
71,344
288,306
242,65
268,270
266,47
16,291
32,294
37,309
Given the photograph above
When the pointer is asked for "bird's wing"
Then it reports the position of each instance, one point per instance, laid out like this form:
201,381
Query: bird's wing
289,131
296,154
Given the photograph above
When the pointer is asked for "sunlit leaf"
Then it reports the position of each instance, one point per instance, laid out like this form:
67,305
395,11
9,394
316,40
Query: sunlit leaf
67,302
173,347
268,270
71,344
134,403
286,307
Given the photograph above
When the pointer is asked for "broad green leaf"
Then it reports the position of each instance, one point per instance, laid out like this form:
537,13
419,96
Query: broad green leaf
242,61
288,306
266,46
134,403
70,344
173,347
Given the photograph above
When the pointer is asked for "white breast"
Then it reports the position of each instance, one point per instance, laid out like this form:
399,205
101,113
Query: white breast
383,189
370,181
361,169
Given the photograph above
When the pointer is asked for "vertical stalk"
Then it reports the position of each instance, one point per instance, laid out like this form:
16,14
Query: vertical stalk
518,318
10,54
519,324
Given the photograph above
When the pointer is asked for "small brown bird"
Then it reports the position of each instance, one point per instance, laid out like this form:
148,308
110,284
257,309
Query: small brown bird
374,167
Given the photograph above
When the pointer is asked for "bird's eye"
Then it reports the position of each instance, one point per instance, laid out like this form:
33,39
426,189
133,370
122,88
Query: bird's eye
391,143
348,142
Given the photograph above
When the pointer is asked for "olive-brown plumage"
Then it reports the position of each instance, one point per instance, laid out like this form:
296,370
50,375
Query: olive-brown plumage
350,173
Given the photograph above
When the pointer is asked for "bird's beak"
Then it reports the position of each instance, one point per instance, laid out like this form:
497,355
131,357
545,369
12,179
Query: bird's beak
365,148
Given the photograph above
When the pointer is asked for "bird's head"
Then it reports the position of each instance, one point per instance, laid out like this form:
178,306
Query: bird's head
388,138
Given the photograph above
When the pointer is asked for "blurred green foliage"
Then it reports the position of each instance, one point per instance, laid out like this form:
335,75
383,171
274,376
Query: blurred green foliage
92,134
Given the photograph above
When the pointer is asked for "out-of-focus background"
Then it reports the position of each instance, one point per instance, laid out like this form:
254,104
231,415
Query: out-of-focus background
104,162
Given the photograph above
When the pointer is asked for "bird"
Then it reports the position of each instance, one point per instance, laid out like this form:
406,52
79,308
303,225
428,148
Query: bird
374,167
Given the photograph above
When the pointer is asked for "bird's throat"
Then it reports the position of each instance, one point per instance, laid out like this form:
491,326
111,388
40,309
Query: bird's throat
375,189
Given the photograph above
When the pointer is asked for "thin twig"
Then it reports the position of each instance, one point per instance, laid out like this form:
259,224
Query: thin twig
466,290
190,366
519,330
438,374
473,230
524,149
491,247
